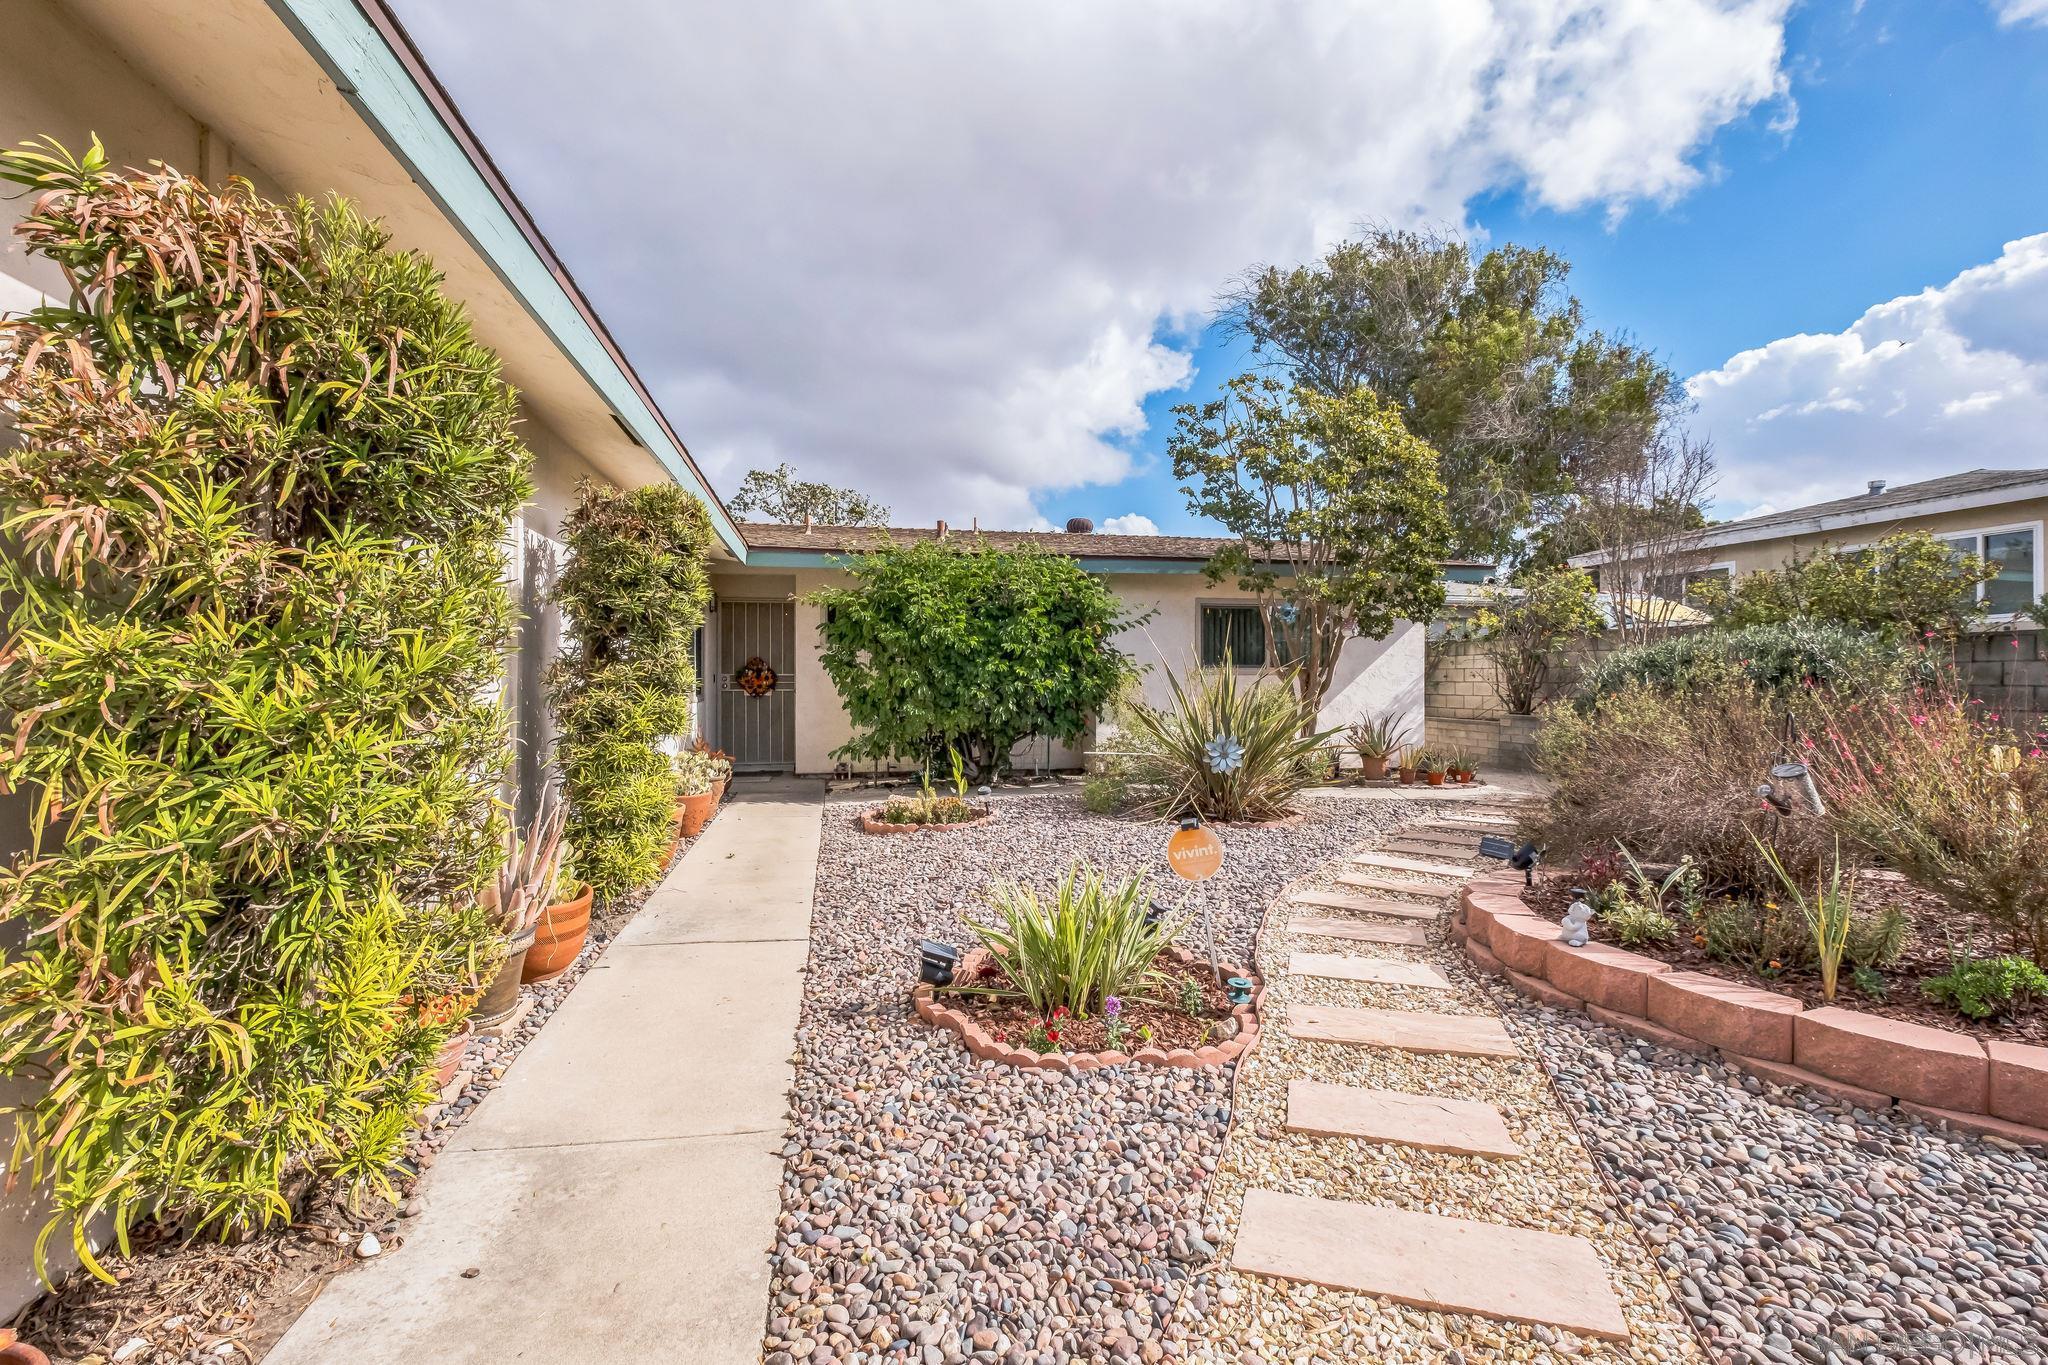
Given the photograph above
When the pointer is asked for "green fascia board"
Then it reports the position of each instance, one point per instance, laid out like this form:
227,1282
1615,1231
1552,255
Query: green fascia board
832,559
373,80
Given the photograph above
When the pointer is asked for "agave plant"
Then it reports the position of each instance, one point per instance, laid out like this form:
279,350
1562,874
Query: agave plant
1091,940
1220,748
526,879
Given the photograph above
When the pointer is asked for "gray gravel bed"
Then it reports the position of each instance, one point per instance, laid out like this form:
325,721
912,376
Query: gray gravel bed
940,1209
1794,1228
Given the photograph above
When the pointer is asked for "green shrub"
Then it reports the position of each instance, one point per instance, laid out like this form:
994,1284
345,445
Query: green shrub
1779,659
1983,987
262,475
1105,789
1635,923
1878,938
633,592
1089,942
1220,748
1909,582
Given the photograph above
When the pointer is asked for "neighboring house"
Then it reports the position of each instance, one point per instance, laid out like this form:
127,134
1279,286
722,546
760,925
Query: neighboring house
759,610
1996,513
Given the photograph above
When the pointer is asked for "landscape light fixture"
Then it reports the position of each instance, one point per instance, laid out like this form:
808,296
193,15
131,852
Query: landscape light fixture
935,962
1525,860
1496,846
1799,778
1240,988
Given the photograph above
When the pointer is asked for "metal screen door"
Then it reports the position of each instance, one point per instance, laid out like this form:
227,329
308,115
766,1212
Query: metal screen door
758,731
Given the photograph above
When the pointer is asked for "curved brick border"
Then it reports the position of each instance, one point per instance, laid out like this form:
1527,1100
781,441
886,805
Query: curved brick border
871,825
1994,1088
987,1049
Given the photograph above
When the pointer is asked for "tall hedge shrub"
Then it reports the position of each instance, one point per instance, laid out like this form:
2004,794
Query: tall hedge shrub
634,592
262,473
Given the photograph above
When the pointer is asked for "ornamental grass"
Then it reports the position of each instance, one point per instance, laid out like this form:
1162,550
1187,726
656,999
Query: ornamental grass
1090,940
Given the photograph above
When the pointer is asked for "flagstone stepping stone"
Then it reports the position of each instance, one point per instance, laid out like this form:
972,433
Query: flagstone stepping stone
1447,1265
1361,931
1411,888
1379,971
1393,862
1370,905
1432,1122
1410,847
1462,1035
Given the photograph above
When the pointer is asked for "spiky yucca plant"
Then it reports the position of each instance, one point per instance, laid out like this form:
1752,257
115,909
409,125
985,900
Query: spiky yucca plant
262,473
1220,748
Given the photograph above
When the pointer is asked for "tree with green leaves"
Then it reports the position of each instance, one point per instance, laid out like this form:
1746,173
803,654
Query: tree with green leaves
1488,360
261,475
778,495
634,592
1337,510
1527,624
931,645
1908,581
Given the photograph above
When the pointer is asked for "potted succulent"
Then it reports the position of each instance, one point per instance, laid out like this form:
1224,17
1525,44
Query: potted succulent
1375,740
698,783
517,899
1411,759
1436,768
721,768
563,926
1461,766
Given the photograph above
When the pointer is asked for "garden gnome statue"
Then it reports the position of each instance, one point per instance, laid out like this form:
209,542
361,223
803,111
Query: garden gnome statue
1577,920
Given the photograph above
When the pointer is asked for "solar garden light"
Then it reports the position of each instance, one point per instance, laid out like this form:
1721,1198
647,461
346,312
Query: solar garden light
1522,859
1240,988
935,962
1799,778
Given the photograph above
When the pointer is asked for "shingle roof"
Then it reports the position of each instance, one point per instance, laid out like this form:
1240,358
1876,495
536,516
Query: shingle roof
1947,486
765,535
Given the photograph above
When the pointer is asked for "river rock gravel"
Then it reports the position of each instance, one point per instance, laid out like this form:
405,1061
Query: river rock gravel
939,1209
1797,1230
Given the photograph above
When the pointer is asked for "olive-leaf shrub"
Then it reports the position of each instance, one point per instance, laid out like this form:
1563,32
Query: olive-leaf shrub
261,474
634,592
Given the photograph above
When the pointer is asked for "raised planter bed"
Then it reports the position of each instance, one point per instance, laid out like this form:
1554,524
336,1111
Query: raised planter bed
1976,1084
1240,1028
872,822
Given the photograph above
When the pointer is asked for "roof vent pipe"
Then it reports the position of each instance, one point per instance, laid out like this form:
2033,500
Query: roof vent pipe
942,530
1079,526
1876,487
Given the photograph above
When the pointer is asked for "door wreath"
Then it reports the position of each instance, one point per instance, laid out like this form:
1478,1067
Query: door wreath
755,677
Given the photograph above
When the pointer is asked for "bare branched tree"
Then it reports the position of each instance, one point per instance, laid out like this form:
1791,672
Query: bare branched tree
1639,501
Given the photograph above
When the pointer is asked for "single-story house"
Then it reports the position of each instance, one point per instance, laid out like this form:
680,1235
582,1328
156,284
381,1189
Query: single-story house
2000,514
759,611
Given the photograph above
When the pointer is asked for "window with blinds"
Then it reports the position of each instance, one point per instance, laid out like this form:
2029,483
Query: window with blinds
1235,633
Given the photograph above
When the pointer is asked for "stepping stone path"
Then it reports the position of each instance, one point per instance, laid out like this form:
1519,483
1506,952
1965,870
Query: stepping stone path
1381,971
1454,1265
1431,1122
1443,1264
1337,900
1462,1035
1395,863
1357,931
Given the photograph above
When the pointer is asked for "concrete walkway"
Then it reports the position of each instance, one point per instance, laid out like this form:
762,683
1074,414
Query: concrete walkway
616,1196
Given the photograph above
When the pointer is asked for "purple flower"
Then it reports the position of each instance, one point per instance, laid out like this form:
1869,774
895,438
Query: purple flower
1112,1007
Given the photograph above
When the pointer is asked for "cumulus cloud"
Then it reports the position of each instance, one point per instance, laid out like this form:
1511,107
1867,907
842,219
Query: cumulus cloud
2012,12
943,251
1954,377
1130,524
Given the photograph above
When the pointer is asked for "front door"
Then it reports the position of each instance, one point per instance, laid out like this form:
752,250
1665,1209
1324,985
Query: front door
757,685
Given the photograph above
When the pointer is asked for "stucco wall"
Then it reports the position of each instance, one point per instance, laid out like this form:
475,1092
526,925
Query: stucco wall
1372,675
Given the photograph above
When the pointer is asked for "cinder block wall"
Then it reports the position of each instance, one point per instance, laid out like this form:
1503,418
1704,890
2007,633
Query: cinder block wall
2007,671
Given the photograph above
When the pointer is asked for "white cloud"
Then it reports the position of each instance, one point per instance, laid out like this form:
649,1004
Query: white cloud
1130,524
1954,377
2012,12
943,250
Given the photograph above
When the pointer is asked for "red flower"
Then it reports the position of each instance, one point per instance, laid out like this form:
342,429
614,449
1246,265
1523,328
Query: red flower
1052,1035
1059,1011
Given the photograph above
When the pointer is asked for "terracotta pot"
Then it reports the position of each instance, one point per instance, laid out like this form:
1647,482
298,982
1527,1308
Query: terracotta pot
1464,774
718,791
15,1351
445,1067
1407,776
1436,779
501,997
697,811
1372,769
557,939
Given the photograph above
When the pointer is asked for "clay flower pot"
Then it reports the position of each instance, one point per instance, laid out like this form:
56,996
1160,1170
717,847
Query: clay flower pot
445,1066
1436,779
696,811
557,939
15,1351
1372,769
1407,776
501,997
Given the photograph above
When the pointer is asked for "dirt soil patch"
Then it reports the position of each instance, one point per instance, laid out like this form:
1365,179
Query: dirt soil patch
1159,1010
1926,955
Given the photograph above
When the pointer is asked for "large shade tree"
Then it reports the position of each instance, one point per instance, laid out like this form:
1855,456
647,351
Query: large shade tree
1487,358
261,478
932,645
779,495
1337,510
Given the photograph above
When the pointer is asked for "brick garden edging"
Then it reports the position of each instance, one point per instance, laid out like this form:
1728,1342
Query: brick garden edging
977,1040
871,825
1996,1088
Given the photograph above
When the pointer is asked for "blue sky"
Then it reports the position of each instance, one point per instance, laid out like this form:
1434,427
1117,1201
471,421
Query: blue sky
1920,147
961,259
